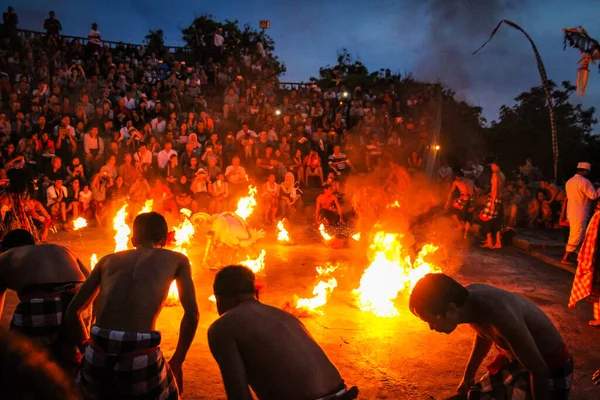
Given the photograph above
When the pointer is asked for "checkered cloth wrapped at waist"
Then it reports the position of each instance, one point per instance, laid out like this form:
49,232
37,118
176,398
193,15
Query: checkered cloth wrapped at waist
464,202
39,314
125,365
487,214
508,379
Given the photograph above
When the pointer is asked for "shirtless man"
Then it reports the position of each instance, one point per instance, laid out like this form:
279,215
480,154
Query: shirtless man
533,359
464,204
328,207
45,277
277,358
557,197
123,358
492,215
398,179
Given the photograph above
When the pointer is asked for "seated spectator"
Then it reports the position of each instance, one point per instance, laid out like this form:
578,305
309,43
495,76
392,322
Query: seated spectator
118,192
339,162
110,168
128,170
144,156
283,373
99,185
189,171
312,167
85,202
237,178
266,163
75,170
212,168
296,166
183,196
39,215
290,199
56,200
172,172
73,197
139,191
93,147
209,154
219,194
54,171
270,196
165,155
45,145
557,197
415,163
164,200
201,188
539,211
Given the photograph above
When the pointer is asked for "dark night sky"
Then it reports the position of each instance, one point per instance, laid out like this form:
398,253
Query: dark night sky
432,39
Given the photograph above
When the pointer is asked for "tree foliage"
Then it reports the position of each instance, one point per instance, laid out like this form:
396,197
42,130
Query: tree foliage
199,37
155,41
523,130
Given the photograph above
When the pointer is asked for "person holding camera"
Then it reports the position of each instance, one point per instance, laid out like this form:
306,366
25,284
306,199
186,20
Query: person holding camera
56,200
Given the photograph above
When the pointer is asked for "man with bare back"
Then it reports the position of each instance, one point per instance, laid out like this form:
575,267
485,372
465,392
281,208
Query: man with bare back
492,216
45,277
277,357
129,288
328,207
464,204
533,360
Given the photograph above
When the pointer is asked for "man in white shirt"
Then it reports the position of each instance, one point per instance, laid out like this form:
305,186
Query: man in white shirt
158,125
94,38
218,42
144,156
130,102
580,193
56,196
165,154
244,131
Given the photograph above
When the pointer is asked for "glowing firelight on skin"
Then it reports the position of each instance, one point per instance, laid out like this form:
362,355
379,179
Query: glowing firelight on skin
356,236
93,261
390,272
282,233
122,229
321,292
247,204
326,236
257,264
79,223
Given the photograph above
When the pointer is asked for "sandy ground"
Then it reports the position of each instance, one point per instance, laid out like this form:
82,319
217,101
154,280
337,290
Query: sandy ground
387,358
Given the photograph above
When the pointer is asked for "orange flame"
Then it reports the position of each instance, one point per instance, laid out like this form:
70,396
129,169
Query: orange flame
282,233
173,295
257,264
147,206
79,223
212,298
356,237
390,272
393,205
321,292
247,204
122,229
93,261
326,236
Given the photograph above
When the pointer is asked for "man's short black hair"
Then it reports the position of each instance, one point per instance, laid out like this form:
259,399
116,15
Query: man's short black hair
17,238
234,280
150,228
434,292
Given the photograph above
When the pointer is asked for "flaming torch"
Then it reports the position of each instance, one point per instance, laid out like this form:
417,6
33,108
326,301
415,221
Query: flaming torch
122,230
247,204
282,234
390,272
79,223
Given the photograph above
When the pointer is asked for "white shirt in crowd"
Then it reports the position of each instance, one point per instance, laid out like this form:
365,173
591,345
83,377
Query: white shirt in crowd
235,174
52,194
145,158
219,40
241,134
158,126
580,193
130,103
94,37
164,157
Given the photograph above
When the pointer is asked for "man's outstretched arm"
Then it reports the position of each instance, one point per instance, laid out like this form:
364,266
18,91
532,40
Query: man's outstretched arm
74,325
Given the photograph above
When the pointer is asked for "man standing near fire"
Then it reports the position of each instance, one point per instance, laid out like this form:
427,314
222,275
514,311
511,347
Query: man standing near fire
277,358
580,193
464,204
123,358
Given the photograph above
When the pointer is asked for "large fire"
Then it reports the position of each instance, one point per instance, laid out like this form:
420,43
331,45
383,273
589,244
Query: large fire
247,204
326,236
147,206
183,235
79,223
173,295
122,229
257,264
282,234
321,292
390,272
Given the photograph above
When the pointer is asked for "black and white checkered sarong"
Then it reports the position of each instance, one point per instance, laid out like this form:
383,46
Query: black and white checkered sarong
124,365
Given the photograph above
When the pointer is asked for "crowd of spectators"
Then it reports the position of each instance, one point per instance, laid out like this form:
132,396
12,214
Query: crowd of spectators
102,125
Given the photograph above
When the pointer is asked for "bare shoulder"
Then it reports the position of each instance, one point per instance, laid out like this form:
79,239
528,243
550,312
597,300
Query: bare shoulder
222,326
